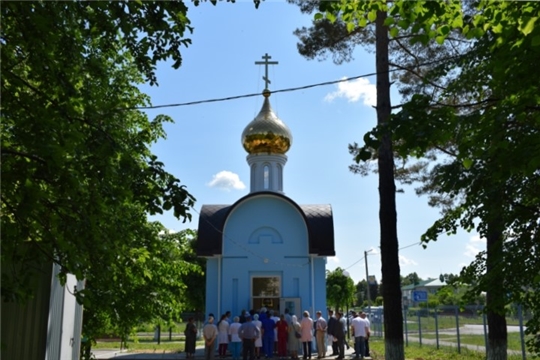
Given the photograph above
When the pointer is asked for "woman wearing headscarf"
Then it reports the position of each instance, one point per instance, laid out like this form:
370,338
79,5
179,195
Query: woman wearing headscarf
258,341
223,336
294,342
306,328
235,342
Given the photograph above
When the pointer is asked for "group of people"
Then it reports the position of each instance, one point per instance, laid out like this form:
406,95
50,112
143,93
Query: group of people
264,333
336,329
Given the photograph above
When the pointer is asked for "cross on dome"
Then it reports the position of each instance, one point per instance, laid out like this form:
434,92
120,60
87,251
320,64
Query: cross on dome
266,57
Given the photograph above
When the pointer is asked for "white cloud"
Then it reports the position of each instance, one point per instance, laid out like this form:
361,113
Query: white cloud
475,245
334,259
355,90
477,238
403,261
374,251
471,250
169,231
226,180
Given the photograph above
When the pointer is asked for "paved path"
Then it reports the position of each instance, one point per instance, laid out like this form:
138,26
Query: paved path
475,329
116,354
125,355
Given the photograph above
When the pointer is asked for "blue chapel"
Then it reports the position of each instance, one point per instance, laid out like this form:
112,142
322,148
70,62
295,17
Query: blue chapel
265,250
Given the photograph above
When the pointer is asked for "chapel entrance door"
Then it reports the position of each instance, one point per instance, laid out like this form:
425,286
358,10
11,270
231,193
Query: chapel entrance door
293,304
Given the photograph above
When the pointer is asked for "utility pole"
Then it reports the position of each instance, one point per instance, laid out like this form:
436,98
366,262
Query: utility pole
346,274
367,283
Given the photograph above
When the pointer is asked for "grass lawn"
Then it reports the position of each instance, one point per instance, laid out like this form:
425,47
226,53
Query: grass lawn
144,340
145,345
426,352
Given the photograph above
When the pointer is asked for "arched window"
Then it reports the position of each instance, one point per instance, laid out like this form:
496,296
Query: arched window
266,177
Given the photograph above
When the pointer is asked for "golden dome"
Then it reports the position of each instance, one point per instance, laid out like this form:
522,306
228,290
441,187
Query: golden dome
266,133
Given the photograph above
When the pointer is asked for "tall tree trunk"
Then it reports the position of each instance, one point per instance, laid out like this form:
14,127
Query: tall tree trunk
495,295
495,274
393,317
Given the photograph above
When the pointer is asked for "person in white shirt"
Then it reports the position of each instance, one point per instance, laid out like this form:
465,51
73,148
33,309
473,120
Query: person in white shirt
363,316
223,336
235,343
360,329
210,333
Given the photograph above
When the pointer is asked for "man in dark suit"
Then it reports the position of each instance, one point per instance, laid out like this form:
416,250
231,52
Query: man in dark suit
331,323
339,334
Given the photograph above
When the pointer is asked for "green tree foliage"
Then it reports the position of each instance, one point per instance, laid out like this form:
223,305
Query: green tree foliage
146,285
496,182
194,299
342,26
361,293
340,289
433,301
78,175
454,295
408,63
434,20
411,279
488,114
447,296
374,291
79,179
385,162
448,278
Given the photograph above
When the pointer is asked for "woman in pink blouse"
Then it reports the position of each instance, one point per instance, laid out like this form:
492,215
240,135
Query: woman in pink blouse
306,328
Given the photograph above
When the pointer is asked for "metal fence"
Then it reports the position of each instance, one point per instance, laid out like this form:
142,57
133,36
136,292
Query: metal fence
454,326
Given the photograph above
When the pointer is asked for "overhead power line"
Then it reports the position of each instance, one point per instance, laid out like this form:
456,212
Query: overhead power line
401,248
275,91
250,95
356,262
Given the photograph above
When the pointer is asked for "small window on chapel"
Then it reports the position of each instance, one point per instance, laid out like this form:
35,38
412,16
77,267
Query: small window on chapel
266,286
266,177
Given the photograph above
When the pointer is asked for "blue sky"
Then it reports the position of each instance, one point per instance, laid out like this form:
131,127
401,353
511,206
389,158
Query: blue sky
203,146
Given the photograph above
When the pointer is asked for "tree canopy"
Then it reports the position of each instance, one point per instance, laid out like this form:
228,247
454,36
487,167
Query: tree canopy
493,166
79,178
485,121
340,289
145,285
411,279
